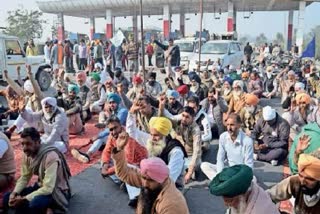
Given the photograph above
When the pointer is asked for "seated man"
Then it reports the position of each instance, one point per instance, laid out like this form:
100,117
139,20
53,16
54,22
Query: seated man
199,89
134,153
159,143
52,190
237,100
54,122
73,108
114,108
98,92
215,106
255,85
173,105
158,192
272,134
251,113
7,163
85,95
153,87
235,147
240,193
304,187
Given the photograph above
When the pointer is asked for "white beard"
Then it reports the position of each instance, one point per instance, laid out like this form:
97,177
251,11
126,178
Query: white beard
237,94
241,209
155,148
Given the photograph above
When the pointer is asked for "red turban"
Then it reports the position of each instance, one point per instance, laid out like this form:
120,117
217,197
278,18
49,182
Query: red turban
137,80
183,89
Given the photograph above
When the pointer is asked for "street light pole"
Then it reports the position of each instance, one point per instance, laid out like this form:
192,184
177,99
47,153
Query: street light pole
200,36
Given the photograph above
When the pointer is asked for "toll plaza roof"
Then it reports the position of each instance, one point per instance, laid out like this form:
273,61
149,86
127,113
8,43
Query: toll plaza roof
97,8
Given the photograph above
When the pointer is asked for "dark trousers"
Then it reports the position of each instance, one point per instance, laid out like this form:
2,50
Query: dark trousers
100,60
38,205
150,60
273,154
83,63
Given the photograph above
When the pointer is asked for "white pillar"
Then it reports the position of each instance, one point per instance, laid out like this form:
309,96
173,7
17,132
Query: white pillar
109,24
182,24
92,27
166,21
60,26
231,20
290,30
135,27
300,31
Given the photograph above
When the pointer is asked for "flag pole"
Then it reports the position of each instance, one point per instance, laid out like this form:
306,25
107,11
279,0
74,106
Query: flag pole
200,34
142,45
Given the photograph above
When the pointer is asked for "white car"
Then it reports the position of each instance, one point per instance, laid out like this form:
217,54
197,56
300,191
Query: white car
228,51
187,47
12,55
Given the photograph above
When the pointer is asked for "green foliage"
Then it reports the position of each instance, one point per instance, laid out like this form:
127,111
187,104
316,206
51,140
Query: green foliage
279,40
261,39
25,24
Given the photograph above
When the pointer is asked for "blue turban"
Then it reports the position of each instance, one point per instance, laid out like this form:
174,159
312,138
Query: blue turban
113,97
228,79
173,93
74,88
194,76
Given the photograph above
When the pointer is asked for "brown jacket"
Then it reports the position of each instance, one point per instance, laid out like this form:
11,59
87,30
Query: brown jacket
7,163
169,201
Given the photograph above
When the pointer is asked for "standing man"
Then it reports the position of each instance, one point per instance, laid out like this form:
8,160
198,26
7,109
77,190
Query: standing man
98,52
83,56
53,189
247,52
172,53
132,53
76,53
150,52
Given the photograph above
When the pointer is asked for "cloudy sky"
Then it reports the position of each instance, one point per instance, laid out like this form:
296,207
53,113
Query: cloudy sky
268,23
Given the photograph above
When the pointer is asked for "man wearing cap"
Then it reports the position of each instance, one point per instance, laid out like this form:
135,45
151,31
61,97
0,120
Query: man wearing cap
240,193
73,109
271,83
84,94
32,92
159,143
158,191
214,105
304,187
56,129
173,105
235,147
271,134
251,113
98,92
153,87
301,114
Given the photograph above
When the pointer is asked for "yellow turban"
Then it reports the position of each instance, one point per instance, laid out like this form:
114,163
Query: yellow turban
162,124
303,97
309,165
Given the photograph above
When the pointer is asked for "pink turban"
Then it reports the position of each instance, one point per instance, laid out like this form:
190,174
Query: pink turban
154,168
82,76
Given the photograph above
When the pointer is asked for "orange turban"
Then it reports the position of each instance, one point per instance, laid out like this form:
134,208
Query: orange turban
251,99
245,75
309,165
303,97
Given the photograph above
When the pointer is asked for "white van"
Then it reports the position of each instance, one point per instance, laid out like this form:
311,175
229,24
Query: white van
229,52
12,55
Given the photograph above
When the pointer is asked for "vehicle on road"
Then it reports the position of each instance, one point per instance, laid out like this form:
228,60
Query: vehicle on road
12,55
229,52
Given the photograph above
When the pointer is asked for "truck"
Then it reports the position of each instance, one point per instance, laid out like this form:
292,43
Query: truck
12,55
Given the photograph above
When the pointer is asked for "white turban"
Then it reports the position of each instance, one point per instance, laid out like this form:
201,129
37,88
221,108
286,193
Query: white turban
49,100
299,85
238,83
98,65
27,86
268,113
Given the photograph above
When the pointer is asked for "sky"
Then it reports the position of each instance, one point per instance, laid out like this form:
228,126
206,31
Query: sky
268,23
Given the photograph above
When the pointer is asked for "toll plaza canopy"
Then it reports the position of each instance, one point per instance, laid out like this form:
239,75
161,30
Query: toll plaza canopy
97,8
